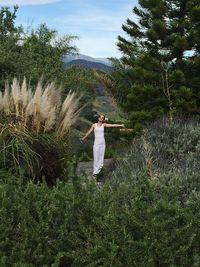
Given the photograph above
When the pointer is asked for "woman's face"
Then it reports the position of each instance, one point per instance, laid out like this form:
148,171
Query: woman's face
101,118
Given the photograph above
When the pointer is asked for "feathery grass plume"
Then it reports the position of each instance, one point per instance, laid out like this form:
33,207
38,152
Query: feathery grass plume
53,94
16,96
26,96
37,97
108,84
51,119
69,114
45,109
56,97
36,107
7,99
51,99
63,114
42,108
1,101
47,100
104,78
38,111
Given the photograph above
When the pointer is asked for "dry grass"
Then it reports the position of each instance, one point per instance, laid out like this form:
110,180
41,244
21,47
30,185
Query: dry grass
68,114
42,110
108,84
148,156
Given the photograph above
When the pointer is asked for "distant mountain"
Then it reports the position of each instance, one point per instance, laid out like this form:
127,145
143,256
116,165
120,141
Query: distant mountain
88,64
69,58
104,60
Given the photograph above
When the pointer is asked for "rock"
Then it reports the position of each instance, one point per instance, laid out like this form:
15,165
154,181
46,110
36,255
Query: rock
87,167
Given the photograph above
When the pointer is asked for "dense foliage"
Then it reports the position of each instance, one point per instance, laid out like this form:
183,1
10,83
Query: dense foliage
147,214
9,36
157,73
82,80
39,54
35,54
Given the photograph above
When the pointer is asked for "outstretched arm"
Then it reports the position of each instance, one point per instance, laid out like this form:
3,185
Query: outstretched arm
88,133
114,125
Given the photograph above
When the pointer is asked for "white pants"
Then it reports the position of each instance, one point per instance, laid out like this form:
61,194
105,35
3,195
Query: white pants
98,156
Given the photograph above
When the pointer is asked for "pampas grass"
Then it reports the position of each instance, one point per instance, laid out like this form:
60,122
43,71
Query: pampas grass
15,96
42,110
6,100
16,153
1,101
68,115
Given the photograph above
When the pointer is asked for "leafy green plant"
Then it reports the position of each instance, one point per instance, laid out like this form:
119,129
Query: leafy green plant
32,52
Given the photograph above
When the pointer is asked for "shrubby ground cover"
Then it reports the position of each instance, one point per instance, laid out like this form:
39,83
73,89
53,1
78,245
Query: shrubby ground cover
145,214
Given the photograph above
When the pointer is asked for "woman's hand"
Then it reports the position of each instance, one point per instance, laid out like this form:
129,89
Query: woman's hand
82,138
88,133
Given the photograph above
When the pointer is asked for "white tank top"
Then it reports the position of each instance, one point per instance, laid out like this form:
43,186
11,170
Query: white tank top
99,134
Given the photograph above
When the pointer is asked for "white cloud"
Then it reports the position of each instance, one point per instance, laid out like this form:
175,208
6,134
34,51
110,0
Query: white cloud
98,28
97,25
26,2
91,19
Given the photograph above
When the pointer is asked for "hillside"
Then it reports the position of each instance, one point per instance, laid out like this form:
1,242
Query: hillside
71,57
88,64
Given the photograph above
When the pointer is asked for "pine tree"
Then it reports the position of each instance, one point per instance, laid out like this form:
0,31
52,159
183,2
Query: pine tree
161,54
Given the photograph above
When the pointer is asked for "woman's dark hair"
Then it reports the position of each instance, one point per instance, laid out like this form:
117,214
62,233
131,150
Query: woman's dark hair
100,116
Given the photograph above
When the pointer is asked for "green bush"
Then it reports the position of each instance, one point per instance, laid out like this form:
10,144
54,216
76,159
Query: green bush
144,215
32,155
170,147
138,223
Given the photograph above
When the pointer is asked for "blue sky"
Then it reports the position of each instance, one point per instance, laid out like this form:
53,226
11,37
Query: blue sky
97,23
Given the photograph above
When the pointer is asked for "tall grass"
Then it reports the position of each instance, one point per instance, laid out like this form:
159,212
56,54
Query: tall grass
41,109
164,152
16,150
31,119
33,156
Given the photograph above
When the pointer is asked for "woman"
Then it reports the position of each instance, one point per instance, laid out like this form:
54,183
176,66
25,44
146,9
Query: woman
99,142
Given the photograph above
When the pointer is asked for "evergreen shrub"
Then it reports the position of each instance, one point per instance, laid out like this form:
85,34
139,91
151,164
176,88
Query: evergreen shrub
147,214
